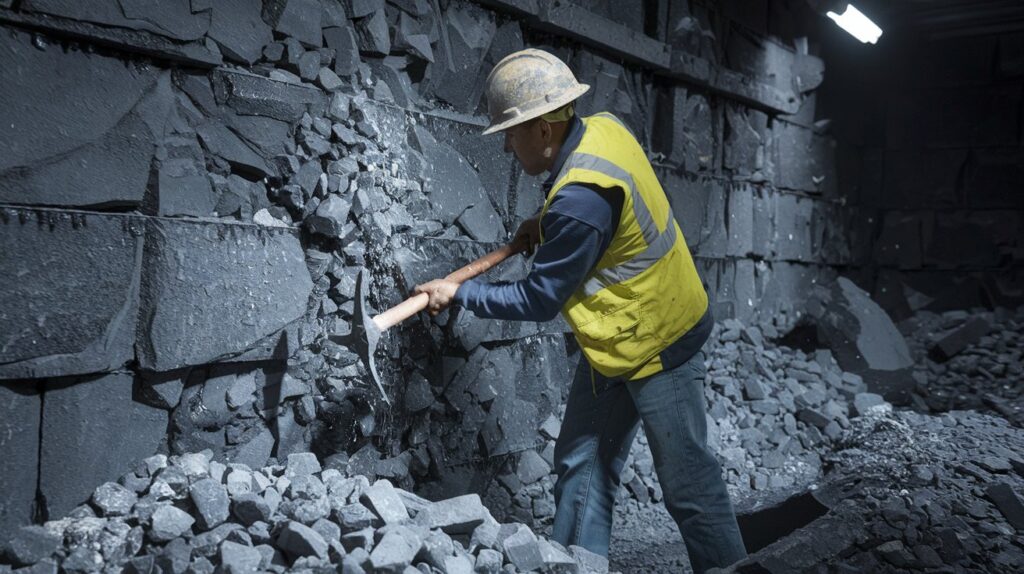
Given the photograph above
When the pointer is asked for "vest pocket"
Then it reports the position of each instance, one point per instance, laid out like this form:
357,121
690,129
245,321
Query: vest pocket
617,311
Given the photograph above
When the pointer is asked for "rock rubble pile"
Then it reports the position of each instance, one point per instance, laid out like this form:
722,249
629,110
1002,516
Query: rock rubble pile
190,513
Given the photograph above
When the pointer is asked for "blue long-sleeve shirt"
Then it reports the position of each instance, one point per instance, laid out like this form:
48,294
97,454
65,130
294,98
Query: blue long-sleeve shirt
578,228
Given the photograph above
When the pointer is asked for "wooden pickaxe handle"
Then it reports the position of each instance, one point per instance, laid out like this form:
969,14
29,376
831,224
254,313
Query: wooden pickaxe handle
417,303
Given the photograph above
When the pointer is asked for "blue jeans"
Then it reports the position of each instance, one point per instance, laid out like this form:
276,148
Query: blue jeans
599,427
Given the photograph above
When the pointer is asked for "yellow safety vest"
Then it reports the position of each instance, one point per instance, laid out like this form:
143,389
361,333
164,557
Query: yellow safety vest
645,292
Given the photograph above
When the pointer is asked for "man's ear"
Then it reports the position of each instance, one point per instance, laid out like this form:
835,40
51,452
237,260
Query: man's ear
545,131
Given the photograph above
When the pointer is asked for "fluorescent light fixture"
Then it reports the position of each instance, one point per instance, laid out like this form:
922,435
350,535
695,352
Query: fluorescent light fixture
857,24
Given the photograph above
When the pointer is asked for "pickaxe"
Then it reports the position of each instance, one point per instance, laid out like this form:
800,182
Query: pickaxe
366,330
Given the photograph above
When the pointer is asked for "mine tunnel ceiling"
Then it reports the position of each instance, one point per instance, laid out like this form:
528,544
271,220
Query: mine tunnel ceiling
946,18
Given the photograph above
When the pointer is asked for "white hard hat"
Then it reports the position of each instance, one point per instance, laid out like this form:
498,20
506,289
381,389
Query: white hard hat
528,84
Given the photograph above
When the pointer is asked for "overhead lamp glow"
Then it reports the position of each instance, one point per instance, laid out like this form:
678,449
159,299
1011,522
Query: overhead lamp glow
857,24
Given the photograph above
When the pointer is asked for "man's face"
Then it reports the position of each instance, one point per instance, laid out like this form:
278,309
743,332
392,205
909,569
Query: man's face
528,141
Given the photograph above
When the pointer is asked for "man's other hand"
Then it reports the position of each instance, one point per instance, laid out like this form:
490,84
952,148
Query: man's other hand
441,293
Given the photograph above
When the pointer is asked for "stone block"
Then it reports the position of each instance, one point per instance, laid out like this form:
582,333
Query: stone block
384,501
740,225
459,515
393,553
959,339
182,187
62,319
455,77
238,28
346,49
252,95
82,134
744,142
297,540
862,337
205,303
299,19
1009,504
685,130
803,160
20,410
523,550
78,415
792,224
372,34
221,141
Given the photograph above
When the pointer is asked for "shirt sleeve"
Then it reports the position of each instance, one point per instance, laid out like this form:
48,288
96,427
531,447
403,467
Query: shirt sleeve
572,246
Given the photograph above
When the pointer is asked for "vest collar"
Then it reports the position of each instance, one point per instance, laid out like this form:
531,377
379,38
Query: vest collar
572,141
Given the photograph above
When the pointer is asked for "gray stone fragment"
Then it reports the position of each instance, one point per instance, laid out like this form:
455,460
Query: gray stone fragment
330,216
361,8
459,515
221,141
250,508
168,523
753,390
343,41
309,66
354,517
532,467
300,19
211,501
239,30
329,80
113,499
238,558
256,451
302,464
182,186
1008,502
372,34
418,395
82,559
488,561
297,540
522,550
485,536
252,95
30,544
958,340
242,391
382,499
393,553
864,403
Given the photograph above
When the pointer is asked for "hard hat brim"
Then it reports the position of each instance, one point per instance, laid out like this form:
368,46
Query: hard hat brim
572,95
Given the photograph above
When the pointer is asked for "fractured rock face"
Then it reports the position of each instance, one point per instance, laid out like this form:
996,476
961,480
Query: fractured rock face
204,303
62,320
82,135
80,415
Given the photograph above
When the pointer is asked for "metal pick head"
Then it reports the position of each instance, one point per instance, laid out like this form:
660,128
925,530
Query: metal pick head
365,333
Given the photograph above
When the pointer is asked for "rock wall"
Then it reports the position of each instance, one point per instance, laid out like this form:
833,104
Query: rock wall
931,159
188,191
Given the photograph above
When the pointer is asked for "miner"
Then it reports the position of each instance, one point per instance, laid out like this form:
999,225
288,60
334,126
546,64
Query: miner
611,257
